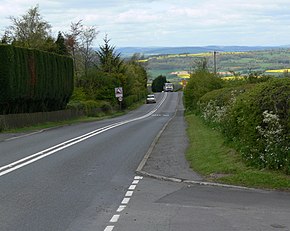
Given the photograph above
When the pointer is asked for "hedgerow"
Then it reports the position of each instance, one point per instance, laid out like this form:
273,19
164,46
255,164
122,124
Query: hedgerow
32,80
214,105
259,122
255,117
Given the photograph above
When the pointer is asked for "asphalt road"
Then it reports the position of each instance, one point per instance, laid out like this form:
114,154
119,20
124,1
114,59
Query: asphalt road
74,177
168,206
82,178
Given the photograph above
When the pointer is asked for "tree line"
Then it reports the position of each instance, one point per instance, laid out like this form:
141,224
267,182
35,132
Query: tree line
96,73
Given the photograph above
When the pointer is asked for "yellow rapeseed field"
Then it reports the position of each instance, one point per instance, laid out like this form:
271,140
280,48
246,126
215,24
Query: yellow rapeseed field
232,77
278,71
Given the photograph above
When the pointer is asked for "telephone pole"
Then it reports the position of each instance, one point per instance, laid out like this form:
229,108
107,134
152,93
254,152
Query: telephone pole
214,62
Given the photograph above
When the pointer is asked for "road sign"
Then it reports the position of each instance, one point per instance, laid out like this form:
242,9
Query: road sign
120,99
119,92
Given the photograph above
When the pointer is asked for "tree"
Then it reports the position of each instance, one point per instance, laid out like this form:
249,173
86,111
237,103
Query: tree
158,83
109,61
201,65
87,38
60,45
30,30
5,38
72,42
136,78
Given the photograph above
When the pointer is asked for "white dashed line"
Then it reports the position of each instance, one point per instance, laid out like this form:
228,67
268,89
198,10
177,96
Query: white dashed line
109,228
125,201
121,208
132,187
115,218
129,194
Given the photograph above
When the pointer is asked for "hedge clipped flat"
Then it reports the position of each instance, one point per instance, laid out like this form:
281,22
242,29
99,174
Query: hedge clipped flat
33,80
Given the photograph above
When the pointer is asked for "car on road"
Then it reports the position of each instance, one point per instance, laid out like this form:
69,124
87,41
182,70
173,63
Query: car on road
150,99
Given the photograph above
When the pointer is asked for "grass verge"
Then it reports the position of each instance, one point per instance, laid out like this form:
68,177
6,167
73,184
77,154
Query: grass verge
210,156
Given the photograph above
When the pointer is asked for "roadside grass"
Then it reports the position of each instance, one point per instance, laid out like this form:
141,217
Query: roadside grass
217,162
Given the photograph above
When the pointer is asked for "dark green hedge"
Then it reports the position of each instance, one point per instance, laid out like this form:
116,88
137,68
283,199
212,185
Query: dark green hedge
33,80
259,121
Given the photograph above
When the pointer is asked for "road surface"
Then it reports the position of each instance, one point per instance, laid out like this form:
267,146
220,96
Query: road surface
82,177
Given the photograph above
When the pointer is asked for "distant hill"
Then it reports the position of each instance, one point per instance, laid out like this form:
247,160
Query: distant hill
129,51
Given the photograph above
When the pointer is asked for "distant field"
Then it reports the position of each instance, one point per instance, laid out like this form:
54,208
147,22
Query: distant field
278,71
274,62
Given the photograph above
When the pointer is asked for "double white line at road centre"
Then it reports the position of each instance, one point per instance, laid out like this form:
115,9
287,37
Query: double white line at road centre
39,155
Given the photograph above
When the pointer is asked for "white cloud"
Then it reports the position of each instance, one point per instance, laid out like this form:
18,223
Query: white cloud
166,22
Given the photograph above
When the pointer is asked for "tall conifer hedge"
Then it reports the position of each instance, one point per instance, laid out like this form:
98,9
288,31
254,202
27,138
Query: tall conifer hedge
33,80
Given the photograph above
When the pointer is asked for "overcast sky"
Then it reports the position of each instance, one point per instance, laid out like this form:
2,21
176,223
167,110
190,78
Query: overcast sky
166,22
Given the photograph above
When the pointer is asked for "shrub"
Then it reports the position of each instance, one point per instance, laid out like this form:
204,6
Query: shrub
214,105
200,83
91,107
158,83
130,100
259,122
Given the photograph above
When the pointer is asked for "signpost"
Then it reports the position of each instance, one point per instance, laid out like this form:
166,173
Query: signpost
118,92
119,95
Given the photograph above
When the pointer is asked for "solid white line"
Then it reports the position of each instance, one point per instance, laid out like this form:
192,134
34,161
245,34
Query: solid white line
125,200
135,182
49,151
109,228
121,208
132,187
115,218
129,194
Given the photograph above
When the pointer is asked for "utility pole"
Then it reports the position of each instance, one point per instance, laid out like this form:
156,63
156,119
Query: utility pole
214,62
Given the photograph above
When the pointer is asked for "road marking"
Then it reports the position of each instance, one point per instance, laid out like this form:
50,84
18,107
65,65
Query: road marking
49,151
135,182
121,208
115,218
125,201
109,228
132,187
160,115
129,194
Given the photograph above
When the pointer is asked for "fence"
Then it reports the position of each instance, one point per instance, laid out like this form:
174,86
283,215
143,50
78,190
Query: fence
11,121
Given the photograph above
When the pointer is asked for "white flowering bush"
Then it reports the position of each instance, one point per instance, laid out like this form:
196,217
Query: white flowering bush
275,153
212,112
215,105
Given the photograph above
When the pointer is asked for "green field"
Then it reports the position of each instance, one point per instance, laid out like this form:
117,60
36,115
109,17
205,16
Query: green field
237,62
